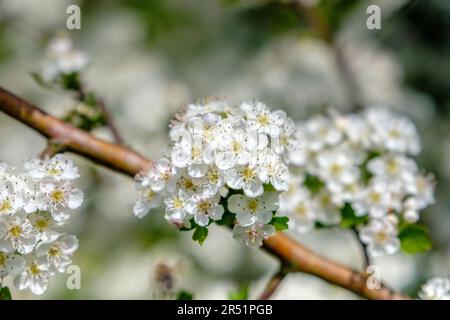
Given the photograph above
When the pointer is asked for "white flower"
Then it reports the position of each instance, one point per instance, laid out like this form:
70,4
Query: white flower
147,200
10,263
374,200
397,169
162,175
326,211
300,210
36,276
10,199
57,167
253,210
393,132
380,236
57,198
245,177
234,148
203,208
62,59
337,167
435,289
274,171
211,182
321,131
253,235
18,231
59,251
422,188
262,120
176,207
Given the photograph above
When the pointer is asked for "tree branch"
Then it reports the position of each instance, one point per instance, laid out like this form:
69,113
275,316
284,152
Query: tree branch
125,160
273,283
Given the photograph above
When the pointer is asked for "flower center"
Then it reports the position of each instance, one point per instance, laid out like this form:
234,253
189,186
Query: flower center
178,203
5,206
336,169
300,210
381,236
54,251
204,206
213,176
54,171
57,196
253,205
375,197
248,174
15,231
236,146
394,133
41,224
34,269
263,120
392,166
2,259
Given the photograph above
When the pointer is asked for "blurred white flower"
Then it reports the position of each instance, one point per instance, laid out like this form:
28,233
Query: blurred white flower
380,236
435,289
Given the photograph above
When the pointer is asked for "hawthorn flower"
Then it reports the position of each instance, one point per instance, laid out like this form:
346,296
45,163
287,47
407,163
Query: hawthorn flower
380,236
253,235
59,251
245,177
393,132
35,276
10,263
203,208
253,210
299,208
34,203
10,200
221,154
57,168
374,200
147,200
17,230
435,289
63,59
176,206
337,167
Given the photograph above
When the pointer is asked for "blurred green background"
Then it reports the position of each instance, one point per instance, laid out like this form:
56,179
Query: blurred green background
149,58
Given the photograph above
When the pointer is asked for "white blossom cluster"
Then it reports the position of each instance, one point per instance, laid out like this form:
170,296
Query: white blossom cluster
435,289
34,204
362,160
222,158
62,59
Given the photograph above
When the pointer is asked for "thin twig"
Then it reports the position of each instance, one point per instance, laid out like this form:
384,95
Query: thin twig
125,160
320,26
273,284
363,249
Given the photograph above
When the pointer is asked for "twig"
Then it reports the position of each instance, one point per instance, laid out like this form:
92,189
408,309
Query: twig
273,284
363,249
320,26
125,160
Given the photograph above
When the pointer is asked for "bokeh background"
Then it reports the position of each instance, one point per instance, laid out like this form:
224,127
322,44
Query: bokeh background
149,58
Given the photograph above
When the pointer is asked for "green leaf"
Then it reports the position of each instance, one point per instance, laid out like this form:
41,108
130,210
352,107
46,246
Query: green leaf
313,183
184,295
280,223
228,219
350,219
200,234
414,238
242,294
5,294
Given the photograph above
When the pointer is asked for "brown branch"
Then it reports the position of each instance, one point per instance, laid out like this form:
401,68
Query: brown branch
125,160
273,284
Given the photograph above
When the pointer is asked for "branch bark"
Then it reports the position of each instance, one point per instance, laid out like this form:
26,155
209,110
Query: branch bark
125,160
